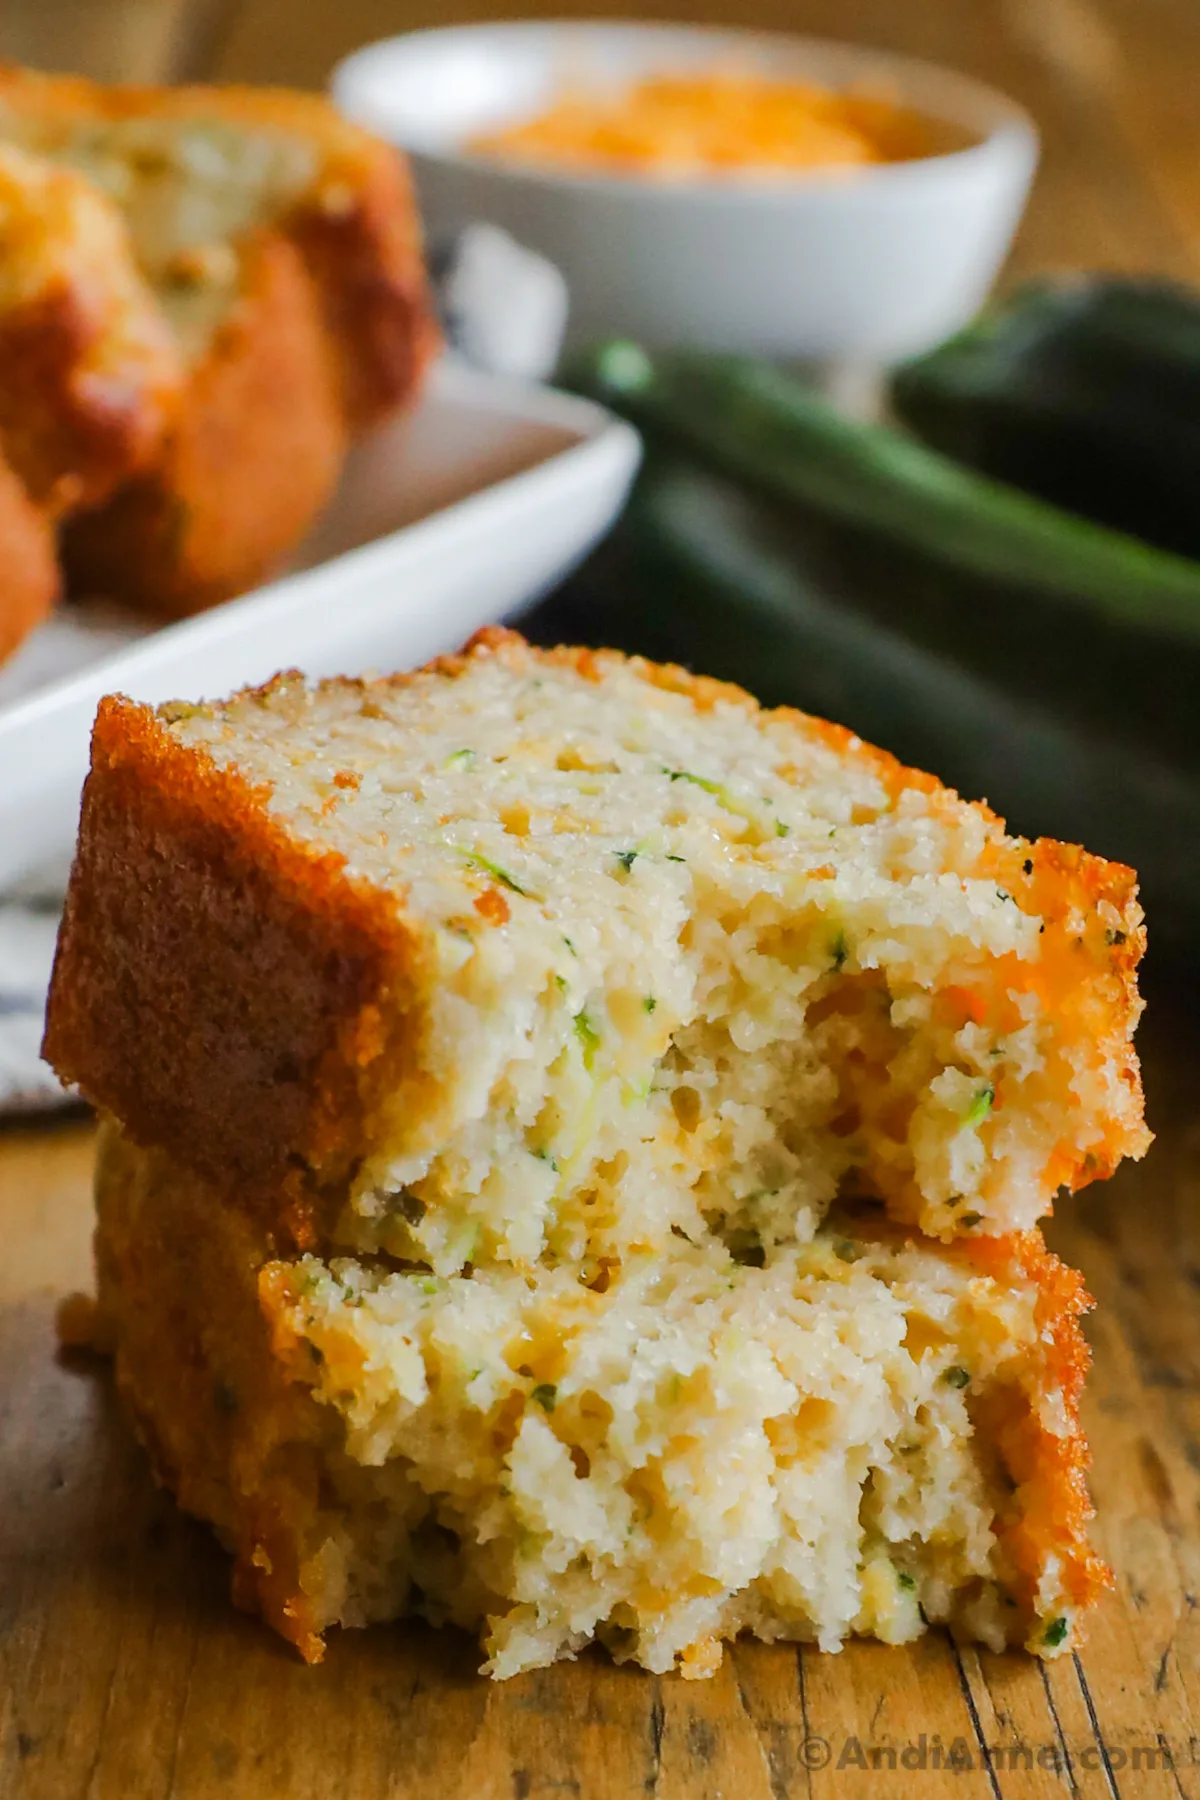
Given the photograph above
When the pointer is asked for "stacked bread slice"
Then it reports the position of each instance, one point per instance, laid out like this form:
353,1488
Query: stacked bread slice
575,1145
204,294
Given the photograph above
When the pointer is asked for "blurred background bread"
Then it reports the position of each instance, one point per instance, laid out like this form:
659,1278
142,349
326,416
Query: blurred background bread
90,366
205,295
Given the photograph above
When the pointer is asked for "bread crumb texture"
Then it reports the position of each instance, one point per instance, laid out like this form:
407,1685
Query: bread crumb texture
686,966
581,1142
869,1434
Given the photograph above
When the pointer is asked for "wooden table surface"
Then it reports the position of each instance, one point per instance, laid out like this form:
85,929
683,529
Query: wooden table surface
124,1672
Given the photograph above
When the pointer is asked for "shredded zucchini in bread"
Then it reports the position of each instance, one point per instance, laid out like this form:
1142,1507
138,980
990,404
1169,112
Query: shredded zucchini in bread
571,955
866,1435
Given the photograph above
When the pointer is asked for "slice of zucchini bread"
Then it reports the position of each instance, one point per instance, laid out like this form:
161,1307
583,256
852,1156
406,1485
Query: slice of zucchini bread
866,1434
562,954
195,170
279,248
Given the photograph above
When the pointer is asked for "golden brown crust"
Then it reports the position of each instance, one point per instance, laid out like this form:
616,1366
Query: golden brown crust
360,233
364,253
88,370
1049,1464
178,1310
71,440
28,563
141,803
218,985
252,457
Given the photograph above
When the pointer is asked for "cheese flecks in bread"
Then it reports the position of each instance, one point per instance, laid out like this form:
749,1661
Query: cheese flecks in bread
562,955
866,1435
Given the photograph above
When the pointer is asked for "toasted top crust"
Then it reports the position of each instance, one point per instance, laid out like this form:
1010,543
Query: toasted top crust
295,964
195,169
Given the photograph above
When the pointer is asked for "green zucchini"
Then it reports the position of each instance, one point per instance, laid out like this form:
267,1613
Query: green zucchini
1093,625
776,432
1083,391
704,572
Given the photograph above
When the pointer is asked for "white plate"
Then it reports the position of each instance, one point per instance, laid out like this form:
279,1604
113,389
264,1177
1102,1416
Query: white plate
457,515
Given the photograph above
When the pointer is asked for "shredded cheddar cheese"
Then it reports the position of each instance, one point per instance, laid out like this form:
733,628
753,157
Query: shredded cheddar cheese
680,125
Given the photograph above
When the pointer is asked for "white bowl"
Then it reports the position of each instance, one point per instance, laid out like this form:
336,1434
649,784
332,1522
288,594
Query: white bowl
874,264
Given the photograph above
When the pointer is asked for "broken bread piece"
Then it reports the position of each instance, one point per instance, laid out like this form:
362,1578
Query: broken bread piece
566,954
866,1435
282,250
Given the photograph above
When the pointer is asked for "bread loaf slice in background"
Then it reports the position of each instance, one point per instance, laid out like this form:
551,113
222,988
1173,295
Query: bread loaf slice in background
282,250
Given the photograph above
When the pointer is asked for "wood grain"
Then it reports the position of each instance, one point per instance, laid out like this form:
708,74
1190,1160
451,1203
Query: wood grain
124,1672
